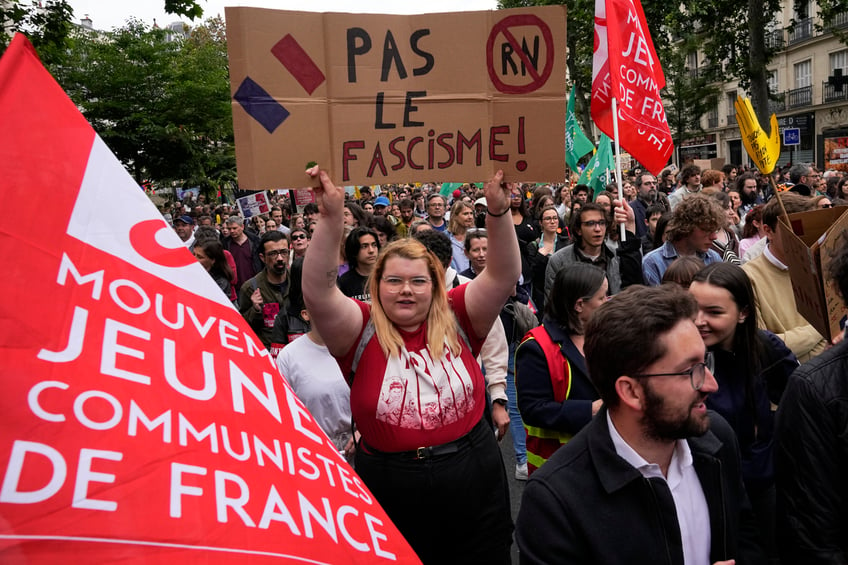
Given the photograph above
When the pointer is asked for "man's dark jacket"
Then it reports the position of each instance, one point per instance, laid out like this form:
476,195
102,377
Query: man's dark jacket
811,459
588,505
254,241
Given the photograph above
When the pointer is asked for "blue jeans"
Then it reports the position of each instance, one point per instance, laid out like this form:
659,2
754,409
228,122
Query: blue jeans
516,426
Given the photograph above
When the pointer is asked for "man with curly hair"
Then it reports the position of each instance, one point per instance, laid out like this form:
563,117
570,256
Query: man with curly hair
691,231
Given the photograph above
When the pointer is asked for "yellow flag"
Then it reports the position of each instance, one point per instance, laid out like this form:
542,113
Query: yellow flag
763,149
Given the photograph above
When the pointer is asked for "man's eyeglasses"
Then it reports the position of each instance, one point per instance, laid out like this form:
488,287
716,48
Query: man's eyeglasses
298,236
418,285
697,375
594,223
274,253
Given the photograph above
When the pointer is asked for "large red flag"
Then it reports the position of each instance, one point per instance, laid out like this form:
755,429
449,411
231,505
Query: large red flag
141,420
626,66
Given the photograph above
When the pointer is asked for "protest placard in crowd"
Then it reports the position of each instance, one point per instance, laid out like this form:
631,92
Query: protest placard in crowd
380,99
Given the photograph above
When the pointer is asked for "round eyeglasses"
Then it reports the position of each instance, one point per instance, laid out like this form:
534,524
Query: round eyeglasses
418,285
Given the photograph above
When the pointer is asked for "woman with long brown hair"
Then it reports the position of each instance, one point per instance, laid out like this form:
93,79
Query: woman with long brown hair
461,219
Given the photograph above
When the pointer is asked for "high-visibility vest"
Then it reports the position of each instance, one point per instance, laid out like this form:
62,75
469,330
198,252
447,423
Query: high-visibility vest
542,442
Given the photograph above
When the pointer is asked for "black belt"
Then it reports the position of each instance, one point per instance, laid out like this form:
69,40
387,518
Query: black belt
422,453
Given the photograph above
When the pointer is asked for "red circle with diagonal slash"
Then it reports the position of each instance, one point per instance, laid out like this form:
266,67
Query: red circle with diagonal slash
538,79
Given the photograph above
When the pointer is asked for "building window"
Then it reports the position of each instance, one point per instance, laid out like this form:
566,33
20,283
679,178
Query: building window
803,73
712,117
773,84
730,97
839,60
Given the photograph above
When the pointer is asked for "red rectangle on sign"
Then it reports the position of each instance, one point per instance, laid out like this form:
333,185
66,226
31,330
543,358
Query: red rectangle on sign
289,52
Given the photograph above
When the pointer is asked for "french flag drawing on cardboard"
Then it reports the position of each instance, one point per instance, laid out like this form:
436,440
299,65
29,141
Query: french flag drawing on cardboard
140,418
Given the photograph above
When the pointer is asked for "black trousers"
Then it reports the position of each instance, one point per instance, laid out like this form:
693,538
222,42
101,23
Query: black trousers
452,508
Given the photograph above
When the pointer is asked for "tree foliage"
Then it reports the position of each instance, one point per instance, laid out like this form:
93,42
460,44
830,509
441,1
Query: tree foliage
48,23
189,8
162,106
48,28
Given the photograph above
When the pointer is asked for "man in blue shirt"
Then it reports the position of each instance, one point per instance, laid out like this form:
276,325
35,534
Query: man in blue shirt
691,231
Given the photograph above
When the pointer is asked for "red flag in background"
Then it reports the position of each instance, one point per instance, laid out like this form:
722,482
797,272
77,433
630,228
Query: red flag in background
141,420
626,66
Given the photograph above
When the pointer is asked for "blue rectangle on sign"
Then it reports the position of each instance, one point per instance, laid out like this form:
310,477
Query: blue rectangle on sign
792,136
260,105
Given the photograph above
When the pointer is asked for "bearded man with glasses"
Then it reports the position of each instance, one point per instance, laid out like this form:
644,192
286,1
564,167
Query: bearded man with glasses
655,477
262,297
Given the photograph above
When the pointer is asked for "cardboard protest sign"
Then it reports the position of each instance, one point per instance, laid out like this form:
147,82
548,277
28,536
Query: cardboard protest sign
253,204
140,418
812,240
303,197
384,99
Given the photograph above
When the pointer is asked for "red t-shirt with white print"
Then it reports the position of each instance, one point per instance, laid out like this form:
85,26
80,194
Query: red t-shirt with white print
410,401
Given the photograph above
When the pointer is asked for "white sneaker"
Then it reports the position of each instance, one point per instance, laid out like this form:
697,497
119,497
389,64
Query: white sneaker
521,472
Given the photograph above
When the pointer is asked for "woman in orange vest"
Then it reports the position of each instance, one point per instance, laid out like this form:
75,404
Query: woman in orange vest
555,396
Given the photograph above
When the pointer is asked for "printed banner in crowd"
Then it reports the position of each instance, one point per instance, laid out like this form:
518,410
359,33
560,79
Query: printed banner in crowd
253,204
625,66
141,420
382,99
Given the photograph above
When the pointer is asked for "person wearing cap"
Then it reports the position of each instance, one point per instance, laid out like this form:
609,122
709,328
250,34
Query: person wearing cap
184,226
381,205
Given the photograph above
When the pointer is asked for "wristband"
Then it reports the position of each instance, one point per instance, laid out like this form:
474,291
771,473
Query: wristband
489,212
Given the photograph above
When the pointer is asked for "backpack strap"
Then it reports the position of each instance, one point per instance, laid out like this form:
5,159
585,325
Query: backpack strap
367,334
558,365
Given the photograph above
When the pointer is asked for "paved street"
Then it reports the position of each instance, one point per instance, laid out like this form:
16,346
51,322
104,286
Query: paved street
515,487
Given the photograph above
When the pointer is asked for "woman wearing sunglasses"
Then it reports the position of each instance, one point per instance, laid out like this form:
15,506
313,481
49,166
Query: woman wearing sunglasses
751,367
299,243
417,393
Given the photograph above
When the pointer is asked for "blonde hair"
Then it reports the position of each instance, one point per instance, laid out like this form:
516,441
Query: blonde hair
454,225
441,322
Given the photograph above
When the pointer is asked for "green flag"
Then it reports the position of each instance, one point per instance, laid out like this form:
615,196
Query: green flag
576,142
601,167
448,188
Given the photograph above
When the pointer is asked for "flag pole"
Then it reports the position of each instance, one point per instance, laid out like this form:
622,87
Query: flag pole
618,161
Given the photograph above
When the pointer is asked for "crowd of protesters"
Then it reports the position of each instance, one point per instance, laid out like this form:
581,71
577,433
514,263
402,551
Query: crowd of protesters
526,316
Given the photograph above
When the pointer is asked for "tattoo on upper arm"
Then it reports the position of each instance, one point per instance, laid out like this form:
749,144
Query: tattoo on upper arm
331,278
